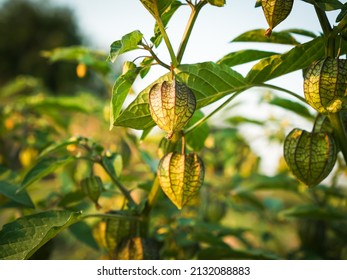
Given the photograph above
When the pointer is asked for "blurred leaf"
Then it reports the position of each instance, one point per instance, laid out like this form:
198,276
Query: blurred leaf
326,5
244,56
23,237
301,32
196,138
83,232
258,36
293,106
146,157
297,58
71,198
237,120
225,253
58,145
313,212
20,85
120,91
43,168
128,43
79,54
10,191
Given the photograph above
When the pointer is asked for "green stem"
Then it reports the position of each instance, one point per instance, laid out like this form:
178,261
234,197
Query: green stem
156,58
112,216
326,27
204,119
174,60
284,90
124,191
339,132
193,16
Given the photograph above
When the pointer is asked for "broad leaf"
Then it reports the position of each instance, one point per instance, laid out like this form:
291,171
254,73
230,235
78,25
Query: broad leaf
209,82
10,191
301,32
326,5
196,138
297,58
43,168
59,145
128,43
258,36
120,91
244,56
23,237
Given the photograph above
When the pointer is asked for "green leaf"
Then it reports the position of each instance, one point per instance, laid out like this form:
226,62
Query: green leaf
289,105
326,5
156,7
128,43
10,191
94,59
209,82
218,3
83,232
121,89
59,145
258,36
301,32
22,238
257,4
43,168
314,212
165,18
237,120
297,58
244,56
196,138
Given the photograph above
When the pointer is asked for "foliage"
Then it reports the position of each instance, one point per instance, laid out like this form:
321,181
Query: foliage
105,189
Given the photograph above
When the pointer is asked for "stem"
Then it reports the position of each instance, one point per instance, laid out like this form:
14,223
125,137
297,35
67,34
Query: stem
156,58
124,191
204,119
326,27
340,132
174,60
284,90
193,16
112,216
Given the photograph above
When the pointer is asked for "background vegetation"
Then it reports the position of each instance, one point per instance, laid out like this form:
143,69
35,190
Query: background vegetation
54,132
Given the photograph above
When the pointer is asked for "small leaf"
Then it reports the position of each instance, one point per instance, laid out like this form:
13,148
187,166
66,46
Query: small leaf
10,191
155,7
22,238
42,169
297,58
310,156
121,89
257,35
128,43
244,56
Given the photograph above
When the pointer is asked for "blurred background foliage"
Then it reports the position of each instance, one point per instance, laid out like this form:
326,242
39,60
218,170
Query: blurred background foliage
54,91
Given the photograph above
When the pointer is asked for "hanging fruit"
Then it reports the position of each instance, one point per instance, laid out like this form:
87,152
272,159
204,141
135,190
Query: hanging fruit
181,177
92,187
325,85
275,12
310,156
172,104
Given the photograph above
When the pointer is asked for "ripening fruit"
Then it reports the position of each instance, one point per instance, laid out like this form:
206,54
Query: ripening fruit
92,187
181,177
310,156
172,104
325,85
275,12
